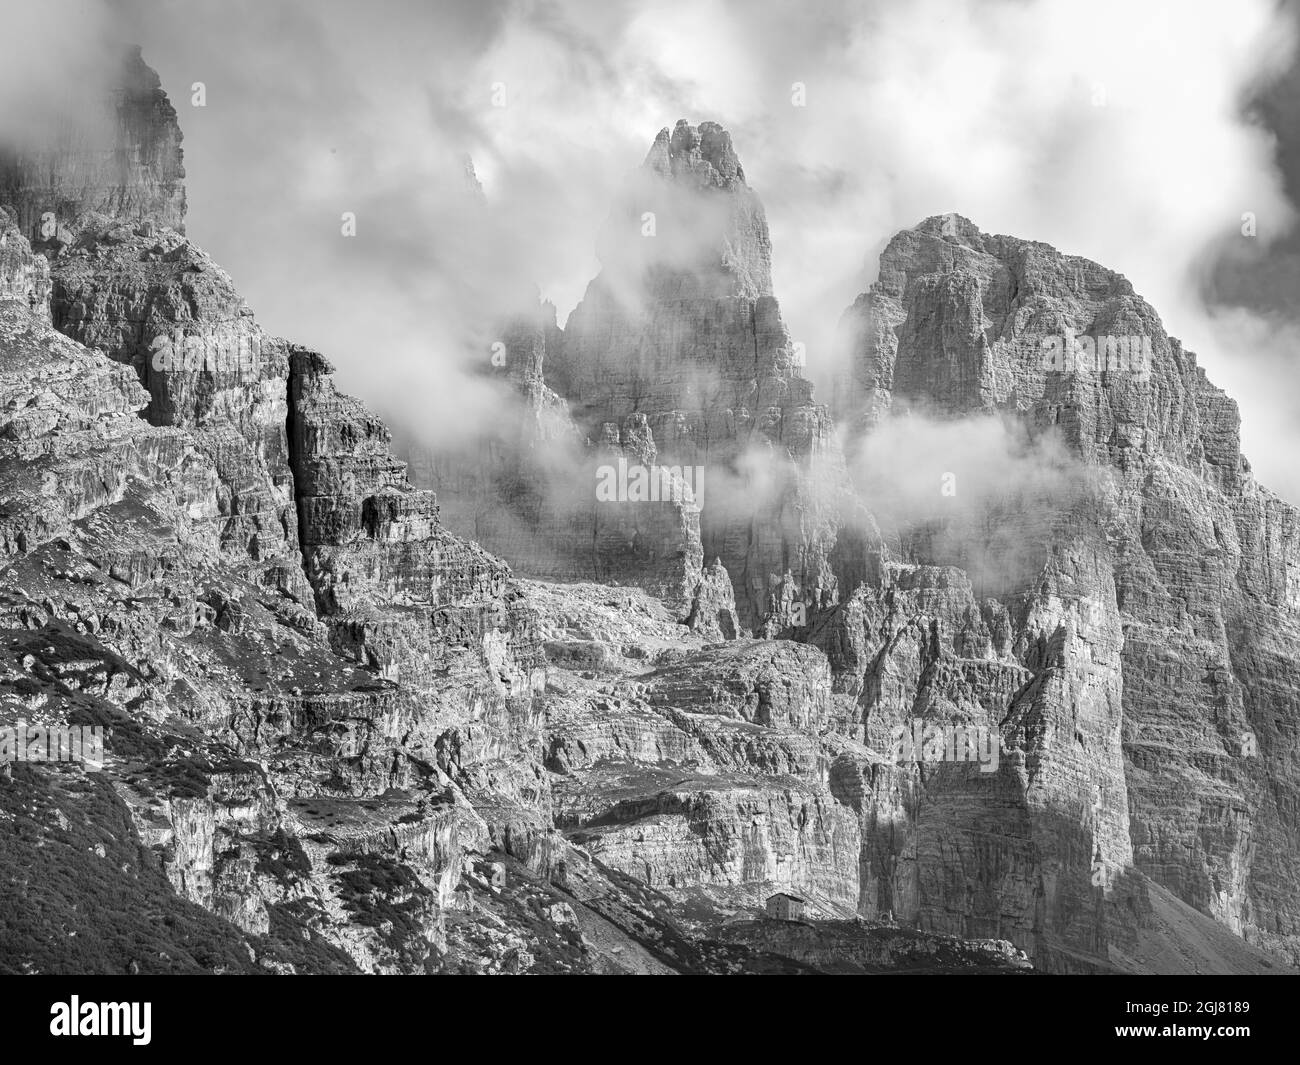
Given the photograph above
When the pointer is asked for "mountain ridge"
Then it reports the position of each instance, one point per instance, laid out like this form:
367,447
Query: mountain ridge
357,739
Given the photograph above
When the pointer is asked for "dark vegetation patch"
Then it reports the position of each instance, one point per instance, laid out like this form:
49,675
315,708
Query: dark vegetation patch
387,896
64,908
281,856
293,939
165,761
523,905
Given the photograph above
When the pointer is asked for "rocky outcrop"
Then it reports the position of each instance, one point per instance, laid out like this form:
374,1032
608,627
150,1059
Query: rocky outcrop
1164,576
713,606
342,736
680,341
147,297
677,359
399,593
69,434
199,529
24,275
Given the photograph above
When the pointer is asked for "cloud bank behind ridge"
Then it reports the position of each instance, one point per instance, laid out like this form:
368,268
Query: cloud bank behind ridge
1115,131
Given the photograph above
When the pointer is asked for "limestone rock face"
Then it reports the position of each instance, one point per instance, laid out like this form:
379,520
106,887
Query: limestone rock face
70,440
400,593
713,608
351,677
680,342
704,774
342,735
1028,824
676,360
24,275
147,297
104,199
1158,623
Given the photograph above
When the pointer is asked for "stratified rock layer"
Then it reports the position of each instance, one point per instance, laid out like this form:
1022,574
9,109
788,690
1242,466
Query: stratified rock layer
341,737
211,552
680,339
676,358
1158,622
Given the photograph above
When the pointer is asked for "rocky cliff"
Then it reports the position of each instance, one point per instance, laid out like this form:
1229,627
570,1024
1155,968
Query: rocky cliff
342,736
212,553
1143,653
677,358
680,341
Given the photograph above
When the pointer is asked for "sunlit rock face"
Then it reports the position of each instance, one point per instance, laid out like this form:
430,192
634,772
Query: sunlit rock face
344,735
1156,615
24,275
103,198
207,548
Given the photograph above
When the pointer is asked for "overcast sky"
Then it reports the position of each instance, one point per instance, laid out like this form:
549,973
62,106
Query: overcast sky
1134,134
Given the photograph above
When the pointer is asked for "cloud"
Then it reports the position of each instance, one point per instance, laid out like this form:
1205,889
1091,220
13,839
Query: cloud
43,45
979,492
1111,130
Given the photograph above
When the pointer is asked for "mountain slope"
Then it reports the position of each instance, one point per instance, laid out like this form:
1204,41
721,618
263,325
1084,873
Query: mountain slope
341,736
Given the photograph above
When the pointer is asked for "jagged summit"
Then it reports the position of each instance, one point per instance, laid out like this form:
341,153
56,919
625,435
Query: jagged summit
953,234
687,225
679,344
960,319
1164,593
343,737
701,155
951,227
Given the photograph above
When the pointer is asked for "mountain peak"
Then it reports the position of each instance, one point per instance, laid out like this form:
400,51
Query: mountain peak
687,225
952,227
696,155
